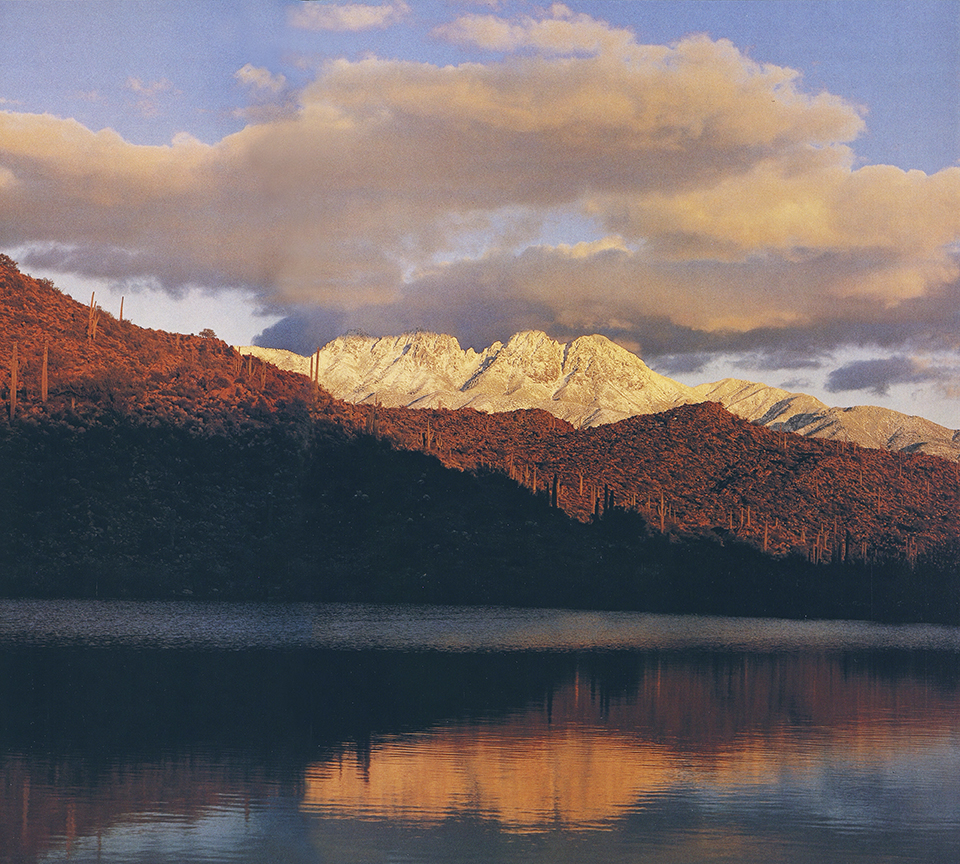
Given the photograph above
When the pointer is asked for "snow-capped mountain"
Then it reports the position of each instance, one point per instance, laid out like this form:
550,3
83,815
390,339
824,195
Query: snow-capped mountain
587,382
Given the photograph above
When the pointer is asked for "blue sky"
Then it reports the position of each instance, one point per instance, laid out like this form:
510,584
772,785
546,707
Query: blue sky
765,189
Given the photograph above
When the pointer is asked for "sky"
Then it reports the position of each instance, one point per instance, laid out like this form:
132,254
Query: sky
764,190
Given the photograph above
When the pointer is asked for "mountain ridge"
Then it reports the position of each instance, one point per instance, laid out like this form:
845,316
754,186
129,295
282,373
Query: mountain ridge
588,381
140,463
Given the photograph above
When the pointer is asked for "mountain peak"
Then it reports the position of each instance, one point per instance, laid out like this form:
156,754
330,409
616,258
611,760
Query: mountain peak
588,381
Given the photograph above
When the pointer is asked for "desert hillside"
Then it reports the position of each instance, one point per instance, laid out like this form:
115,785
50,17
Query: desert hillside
145,463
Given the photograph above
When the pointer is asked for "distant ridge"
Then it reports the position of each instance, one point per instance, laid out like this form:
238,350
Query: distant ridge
590,381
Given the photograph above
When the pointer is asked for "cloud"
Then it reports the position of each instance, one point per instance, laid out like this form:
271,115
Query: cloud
260,79
312,15
879,375
558,32
724,205
270,97
149,93
303,330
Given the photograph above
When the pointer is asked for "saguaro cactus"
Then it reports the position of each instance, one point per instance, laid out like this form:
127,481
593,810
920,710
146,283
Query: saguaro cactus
373,421
93,318
44,389
13,383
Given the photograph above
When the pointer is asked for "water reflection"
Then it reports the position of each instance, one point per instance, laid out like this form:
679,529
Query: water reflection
513,774
602,746
702,740
74,806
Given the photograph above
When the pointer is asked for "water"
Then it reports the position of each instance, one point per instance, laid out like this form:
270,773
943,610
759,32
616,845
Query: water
192,732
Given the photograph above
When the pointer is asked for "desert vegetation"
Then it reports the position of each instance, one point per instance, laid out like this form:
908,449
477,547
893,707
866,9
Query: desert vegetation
142,463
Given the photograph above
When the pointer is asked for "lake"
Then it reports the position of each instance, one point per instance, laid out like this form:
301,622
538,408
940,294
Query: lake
241,733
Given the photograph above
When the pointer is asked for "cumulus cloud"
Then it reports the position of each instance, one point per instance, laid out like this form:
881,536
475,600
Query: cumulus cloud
270,96
314,15
726,207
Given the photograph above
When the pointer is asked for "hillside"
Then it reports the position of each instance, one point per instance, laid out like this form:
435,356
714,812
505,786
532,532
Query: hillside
159,464
697,468
587,382
97,363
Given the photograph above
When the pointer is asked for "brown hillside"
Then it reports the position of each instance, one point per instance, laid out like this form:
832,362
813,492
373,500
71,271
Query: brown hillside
198,383
694,469
698,468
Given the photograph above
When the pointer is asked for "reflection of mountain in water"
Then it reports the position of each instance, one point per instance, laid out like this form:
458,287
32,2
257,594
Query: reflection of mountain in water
93,742
600,747
526,778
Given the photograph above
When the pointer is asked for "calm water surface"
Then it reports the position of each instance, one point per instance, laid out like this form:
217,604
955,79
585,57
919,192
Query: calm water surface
196,732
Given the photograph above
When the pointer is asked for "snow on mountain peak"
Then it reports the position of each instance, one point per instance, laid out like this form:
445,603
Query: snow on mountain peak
587,382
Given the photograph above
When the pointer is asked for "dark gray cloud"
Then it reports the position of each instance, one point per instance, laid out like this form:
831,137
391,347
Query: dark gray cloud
304,330
479,306
880,374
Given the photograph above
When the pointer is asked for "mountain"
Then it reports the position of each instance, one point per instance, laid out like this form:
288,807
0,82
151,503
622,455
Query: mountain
140,463
588,382
866,425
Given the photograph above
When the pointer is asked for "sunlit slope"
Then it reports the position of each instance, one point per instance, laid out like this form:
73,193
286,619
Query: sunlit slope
587,382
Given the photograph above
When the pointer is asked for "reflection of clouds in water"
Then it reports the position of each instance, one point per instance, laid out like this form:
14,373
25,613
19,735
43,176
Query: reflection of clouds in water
860,784
220,834
492,792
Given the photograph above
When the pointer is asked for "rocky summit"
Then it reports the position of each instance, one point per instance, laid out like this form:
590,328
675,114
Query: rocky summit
590,381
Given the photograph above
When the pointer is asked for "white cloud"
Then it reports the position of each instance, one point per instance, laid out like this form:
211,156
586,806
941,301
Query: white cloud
260,79
559,32
314,15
